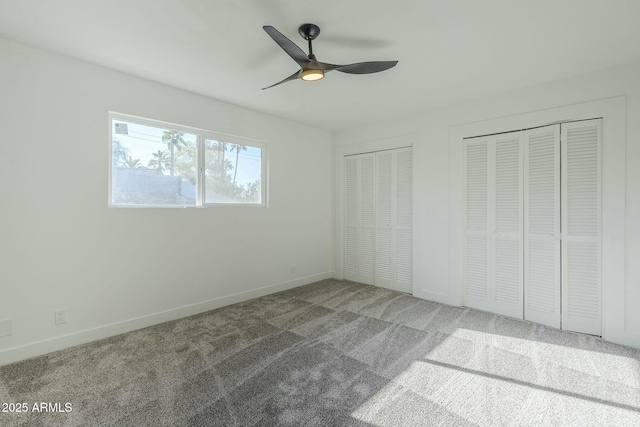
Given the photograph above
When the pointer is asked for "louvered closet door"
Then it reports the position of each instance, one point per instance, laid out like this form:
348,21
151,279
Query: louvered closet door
366,218
384,219
404,220
542,225
477,278
581,189
507,218
351,218
494,265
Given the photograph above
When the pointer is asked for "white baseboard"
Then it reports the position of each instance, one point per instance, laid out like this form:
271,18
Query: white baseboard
436,297
39,348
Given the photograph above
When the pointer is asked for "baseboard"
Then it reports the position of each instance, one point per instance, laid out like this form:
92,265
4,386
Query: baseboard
436,297
39,348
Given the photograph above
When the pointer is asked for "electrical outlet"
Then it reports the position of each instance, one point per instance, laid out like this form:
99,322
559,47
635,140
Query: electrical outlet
6,327
293,269
61,316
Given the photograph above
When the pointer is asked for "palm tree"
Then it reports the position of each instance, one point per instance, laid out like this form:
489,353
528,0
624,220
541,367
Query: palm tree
160,161
237,148
174,140
222,147
252,192
119,153
131,163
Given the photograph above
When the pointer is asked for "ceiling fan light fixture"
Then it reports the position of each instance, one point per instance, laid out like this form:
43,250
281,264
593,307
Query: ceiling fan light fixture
312,75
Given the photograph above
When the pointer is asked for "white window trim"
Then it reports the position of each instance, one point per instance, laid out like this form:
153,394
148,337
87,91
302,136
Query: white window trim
201,135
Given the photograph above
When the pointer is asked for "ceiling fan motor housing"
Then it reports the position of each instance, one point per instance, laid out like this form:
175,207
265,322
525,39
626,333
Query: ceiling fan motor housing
309,31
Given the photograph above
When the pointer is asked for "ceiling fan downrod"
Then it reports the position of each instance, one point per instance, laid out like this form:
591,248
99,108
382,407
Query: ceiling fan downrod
309,32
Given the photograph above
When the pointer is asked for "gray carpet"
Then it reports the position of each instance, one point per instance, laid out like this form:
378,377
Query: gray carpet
328,354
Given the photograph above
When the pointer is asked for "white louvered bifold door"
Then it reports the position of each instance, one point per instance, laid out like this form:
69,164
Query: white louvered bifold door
493,258
581,189
366,218
384,219
394,219
403,213
476,277
351,218
378,218
507,220
542,225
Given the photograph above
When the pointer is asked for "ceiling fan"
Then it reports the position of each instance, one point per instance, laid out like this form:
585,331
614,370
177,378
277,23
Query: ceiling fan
312,69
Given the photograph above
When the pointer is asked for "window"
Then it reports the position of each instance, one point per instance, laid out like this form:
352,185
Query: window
155,164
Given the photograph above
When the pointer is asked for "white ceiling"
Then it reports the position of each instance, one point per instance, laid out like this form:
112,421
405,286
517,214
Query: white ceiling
449,50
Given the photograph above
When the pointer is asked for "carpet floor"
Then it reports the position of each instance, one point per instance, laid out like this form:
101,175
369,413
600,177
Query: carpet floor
332,353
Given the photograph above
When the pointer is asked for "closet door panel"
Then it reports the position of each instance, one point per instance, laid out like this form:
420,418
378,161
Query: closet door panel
366,214
542,225
384,219
507,259
477,274
351,218
404,220
581,188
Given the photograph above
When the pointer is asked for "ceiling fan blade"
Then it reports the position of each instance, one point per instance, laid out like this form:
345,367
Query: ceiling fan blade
324,66
287,45
293,76
366,67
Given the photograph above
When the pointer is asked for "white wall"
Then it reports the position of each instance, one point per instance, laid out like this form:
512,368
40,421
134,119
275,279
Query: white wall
119,269
432,187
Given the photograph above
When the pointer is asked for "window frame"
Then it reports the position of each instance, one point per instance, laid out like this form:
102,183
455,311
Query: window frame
201,136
